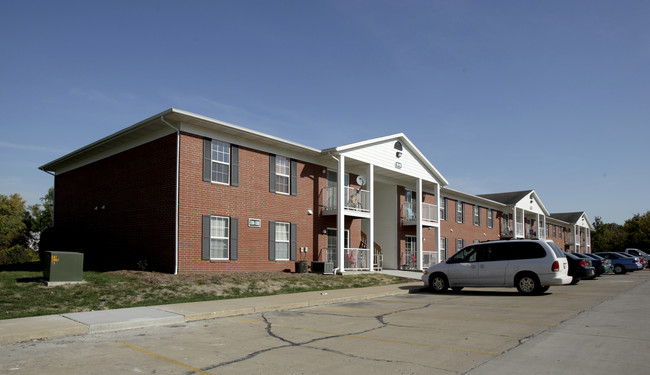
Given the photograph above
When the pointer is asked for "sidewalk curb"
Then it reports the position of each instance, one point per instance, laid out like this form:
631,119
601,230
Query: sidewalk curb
13,331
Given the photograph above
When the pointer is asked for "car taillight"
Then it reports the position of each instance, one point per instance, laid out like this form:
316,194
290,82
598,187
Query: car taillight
556,266
583,263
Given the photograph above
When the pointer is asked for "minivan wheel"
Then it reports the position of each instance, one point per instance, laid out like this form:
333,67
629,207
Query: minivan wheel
528,284
438,283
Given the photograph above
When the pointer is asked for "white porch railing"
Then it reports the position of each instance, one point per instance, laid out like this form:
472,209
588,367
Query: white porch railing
429,213
353,259
355,199
519,230
429,258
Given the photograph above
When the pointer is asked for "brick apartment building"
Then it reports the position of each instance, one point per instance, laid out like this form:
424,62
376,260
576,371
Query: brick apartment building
180,193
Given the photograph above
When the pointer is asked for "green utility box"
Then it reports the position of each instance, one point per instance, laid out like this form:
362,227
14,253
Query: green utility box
63,266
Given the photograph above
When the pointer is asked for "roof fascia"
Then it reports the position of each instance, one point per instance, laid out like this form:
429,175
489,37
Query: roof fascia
470,197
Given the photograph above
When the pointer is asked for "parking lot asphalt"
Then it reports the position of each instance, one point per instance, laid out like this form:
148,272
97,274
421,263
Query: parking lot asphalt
601,332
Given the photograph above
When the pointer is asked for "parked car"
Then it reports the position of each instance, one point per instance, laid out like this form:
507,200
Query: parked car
642,260
579,268
639,253
593,262
532,266
602,265
621,263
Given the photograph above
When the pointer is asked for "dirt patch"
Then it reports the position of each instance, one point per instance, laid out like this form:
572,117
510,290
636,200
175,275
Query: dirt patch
158,278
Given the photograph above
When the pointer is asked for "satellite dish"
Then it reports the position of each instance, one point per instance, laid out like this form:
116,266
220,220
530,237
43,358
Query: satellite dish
361,180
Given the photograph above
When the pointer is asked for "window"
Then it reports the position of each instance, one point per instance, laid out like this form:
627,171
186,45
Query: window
554,231
506,223
443,248
477,215
460,243
560,230
490,218
282,241
283,175
443,209
220,238
460,212
220,162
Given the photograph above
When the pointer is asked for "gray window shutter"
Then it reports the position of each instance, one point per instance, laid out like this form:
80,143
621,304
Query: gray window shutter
234,165
294,177
294,241
234,238
205,244
272,173
207,159
271,240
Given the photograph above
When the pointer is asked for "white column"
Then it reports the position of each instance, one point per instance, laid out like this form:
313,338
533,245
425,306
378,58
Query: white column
371,221
514,221
418,228
340,214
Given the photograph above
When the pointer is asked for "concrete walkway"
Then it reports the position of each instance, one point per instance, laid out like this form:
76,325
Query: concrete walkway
52,326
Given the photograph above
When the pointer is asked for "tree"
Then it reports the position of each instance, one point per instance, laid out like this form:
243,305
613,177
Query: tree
12,225
637,230
608,236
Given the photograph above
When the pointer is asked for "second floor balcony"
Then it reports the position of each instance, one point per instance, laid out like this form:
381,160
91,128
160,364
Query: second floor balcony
356,201
429,213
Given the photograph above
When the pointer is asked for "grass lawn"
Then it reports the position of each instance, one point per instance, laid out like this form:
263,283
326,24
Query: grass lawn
22,294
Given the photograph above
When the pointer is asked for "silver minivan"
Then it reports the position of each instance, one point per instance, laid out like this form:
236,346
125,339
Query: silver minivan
531,266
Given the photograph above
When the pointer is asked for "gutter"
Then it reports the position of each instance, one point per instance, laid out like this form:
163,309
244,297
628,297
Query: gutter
178,151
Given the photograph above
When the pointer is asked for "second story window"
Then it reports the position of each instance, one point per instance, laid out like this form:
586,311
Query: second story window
220,162
460,212
477,215
490,218
443,209
282,174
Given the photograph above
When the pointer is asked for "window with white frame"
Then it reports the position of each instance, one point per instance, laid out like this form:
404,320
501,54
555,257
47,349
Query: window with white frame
560,230
443,248
460,212
220,162
443,209
282,174
460,243
282,240
490,218
477,215
219,230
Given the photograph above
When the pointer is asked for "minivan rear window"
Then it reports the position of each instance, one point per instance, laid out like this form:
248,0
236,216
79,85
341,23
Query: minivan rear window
524,250
556,249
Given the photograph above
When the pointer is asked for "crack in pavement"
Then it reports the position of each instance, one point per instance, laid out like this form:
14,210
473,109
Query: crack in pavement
308,344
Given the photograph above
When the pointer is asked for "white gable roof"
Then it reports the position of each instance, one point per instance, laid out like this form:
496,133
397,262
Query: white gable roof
393,153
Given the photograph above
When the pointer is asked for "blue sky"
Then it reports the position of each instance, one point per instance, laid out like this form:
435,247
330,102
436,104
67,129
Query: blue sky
499,95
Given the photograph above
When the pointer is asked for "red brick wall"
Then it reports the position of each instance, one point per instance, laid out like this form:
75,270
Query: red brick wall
467,230
251,199
120,210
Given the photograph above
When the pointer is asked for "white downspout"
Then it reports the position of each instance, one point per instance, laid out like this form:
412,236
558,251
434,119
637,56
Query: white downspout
178,158
418,230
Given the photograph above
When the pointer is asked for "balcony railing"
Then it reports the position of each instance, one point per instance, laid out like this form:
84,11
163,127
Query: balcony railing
429,213
353,259
519,230
429,258
355,199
